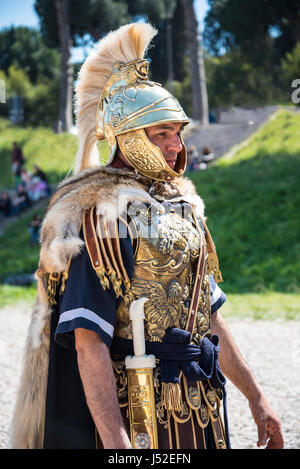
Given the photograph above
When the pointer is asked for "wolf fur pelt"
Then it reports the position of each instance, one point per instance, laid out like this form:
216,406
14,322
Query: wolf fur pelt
110,189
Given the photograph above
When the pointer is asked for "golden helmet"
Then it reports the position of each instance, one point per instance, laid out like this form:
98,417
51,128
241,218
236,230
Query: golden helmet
129,102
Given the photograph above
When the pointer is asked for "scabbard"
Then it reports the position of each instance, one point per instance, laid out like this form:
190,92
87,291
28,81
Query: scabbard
141,407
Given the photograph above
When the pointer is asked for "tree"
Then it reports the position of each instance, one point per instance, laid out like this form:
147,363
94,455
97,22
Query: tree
250,40
39,99
170,6
291,64
66,82
271,27
234,81
63,23
159,65
194,47
24,48
30,71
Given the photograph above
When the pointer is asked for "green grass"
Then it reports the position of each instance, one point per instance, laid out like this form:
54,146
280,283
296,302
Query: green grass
17,254
252,203
12,295
267,306
54,153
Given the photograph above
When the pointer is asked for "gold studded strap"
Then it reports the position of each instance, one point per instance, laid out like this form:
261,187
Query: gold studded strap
212,260
103,246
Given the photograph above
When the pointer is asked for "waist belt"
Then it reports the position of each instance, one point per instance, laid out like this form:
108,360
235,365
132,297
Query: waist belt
197,362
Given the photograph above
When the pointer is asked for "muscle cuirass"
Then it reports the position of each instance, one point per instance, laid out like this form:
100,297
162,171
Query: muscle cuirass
167,245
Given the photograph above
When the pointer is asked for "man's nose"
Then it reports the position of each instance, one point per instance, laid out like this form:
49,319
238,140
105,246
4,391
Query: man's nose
175,144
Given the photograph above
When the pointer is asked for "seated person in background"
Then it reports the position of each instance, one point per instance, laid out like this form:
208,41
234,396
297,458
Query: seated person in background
26,180
22,200
34,229
41,175
39,189
192,158
33,185
195,160
5,204
207,154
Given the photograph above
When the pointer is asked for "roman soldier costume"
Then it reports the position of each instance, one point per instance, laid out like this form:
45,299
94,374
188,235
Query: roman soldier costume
126,252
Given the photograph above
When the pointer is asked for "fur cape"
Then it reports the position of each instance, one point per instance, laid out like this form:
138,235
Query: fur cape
110,189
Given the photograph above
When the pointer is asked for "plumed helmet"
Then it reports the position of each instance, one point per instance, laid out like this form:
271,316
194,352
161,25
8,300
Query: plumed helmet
116,102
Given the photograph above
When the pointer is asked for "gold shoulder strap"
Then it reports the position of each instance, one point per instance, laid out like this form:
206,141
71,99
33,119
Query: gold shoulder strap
212,260
103,245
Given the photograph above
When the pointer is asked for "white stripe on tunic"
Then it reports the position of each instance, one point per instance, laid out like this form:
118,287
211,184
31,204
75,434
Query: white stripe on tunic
90,316
215,295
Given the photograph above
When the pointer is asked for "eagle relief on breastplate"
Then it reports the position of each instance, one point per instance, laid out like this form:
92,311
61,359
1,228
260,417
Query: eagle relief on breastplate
167,251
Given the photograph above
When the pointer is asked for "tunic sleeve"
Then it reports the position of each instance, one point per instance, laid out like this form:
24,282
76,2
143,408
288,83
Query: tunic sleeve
85,304
217,296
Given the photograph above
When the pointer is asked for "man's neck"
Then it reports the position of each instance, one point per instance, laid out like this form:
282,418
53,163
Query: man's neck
118,163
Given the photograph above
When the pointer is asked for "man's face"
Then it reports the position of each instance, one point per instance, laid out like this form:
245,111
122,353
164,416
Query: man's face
167,138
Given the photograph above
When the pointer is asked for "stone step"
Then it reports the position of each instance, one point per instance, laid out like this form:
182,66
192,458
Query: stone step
233,125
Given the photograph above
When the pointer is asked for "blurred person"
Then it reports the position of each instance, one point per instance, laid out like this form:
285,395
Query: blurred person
16,169
26,179
22,201
207,154
6,206
195,159
192,158
41,174
34,185
17,162
39,189
212,117
17,154
80,387
34,228
28,183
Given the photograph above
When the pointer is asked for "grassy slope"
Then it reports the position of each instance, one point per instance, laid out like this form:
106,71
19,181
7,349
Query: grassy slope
17,254
53,153
251,203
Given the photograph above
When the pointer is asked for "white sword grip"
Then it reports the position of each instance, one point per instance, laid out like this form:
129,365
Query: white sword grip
139,360
136,314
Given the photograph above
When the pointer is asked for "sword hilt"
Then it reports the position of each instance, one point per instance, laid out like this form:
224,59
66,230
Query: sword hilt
139,359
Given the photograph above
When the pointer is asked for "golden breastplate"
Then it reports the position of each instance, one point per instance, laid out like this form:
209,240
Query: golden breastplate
166,254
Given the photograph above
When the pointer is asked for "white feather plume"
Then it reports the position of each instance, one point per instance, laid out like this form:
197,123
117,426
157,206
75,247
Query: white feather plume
126,44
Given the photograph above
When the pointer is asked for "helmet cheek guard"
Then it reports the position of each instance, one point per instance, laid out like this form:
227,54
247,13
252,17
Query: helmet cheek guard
147,158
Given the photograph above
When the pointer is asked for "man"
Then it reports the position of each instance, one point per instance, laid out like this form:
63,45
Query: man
132,231
22,201
5,204
17,162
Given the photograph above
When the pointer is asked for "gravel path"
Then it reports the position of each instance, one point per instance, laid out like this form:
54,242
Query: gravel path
272,349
